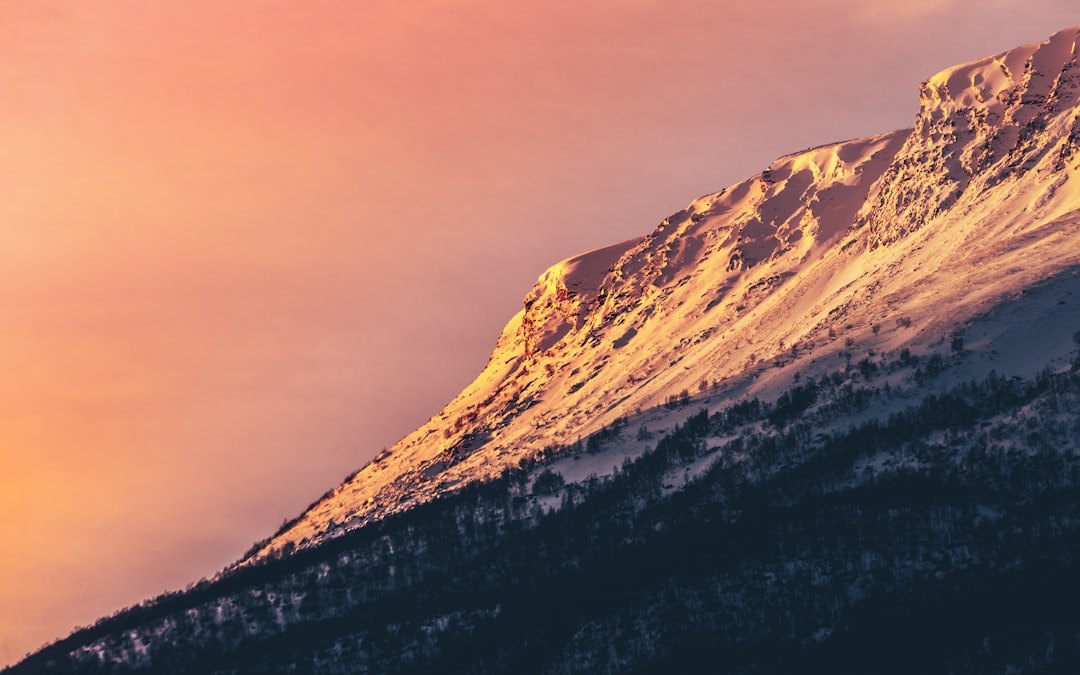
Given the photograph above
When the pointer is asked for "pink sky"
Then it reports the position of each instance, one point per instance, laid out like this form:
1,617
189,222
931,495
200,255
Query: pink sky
246,245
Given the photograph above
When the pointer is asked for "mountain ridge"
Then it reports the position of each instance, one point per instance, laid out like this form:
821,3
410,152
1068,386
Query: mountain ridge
810,421
782,256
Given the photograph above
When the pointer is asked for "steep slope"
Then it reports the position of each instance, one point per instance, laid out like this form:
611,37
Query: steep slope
809,422
829,530
882,242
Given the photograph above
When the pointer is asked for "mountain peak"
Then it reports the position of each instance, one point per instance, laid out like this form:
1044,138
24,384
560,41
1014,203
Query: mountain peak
1033,73
745,287
986,122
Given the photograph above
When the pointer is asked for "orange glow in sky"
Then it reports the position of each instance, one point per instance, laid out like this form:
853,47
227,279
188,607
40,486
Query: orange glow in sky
246,245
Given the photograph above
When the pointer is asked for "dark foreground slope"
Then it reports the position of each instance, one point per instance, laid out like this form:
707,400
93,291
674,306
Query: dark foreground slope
852,525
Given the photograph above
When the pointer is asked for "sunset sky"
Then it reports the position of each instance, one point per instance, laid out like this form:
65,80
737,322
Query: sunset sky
245,245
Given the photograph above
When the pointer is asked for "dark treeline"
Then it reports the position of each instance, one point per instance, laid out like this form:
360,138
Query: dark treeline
938,538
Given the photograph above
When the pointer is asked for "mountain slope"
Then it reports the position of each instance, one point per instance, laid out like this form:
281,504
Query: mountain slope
827,531
808,422
932,225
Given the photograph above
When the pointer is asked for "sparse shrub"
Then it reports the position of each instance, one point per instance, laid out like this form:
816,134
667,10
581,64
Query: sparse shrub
793,402
935,364
548,482
674,401
907,358
867,368
957,343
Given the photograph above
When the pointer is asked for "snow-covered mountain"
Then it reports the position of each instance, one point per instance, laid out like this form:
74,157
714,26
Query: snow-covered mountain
869,245
824,420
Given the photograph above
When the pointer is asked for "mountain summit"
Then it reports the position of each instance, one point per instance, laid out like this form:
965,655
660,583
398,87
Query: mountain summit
773,276
824,420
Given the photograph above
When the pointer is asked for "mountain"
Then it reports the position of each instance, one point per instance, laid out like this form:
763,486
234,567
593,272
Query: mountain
820,247
827,418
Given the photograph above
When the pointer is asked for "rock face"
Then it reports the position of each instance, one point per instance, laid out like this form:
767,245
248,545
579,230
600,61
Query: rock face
981,125
824,420
784,267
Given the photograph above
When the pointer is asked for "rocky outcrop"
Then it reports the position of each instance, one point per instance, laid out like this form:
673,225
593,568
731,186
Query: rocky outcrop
980,124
